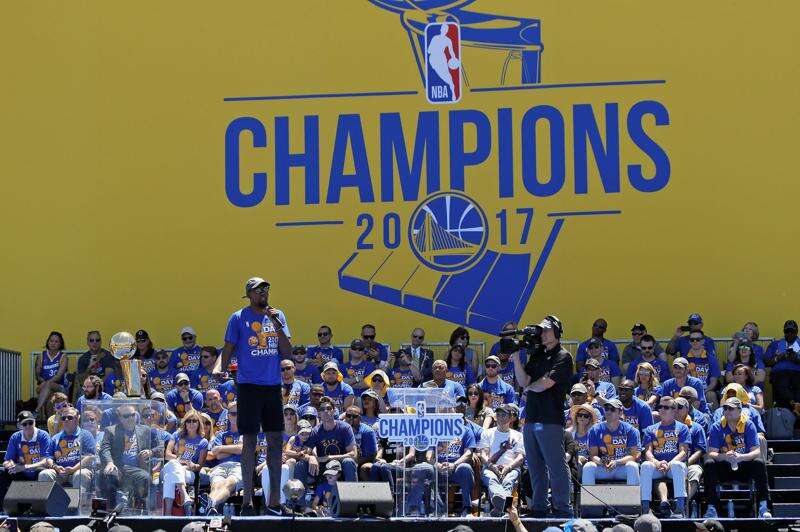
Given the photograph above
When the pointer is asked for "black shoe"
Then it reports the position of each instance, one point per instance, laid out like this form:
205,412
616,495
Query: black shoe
276,511
665,509
247,510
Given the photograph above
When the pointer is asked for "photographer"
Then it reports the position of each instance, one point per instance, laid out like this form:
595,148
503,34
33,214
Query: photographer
782,356
545,378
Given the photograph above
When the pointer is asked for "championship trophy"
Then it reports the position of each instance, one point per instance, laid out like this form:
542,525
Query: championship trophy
122,348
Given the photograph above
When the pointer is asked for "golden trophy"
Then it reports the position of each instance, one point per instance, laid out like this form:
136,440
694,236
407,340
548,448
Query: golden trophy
122,347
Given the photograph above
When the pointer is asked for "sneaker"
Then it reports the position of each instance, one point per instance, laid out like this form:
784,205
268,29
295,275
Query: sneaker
677,514
275,511
247,510
763,511
188,507
665,509
711,513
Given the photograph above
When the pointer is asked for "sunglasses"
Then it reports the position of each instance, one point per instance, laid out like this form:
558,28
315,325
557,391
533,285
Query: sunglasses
310,417
183,383
584,416
286,368
67,418
474,394
625,389
637,333
493,366
326,409
418,337
143,340
162,357
577,394
611,409
647,348
59,406
27,423
317,394
352,416
377,379
368,336
187,338
128,416
320,335
665,407
94,340
261,289
191,421
729,408
695,339
502,413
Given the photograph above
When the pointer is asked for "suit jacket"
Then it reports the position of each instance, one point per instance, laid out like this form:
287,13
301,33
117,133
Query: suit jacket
113,444
425,365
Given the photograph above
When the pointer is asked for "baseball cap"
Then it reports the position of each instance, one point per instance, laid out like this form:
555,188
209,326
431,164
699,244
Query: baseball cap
370,393
593,362
684,402
616,403
331,472
493,358
25,415
694,317
594,342
732,401
141,334
290,406
308,410
156,396
303,425
330,365
334,465
680,361
253,283
580,388
638,326
504,408
791,325
180,377
357,345
188,330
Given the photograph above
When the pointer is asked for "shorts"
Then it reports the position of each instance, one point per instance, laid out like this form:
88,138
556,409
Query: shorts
225,471
260,408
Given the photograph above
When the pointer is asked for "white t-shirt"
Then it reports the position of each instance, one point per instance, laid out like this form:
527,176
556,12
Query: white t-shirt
493,438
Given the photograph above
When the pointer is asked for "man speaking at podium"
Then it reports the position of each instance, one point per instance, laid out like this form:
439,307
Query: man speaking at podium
259,336
545,378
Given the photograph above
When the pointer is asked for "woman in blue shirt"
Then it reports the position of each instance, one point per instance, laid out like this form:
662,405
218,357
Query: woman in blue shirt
186,454
745,354
646,382
460,336
457,368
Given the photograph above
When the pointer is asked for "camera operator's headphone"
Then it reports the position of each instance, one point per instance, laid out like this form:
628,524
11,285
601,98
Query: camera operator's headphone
558,329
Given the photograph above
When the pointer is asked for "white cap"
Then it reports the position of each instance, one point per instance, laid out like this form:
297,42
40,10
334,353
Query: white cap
189,330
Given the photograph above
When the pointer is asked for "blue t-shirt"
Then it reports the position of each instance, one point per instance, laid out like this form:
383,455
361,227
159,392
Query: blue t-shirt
643,394
667,440
740,439
331,442
779,346
401,378
163,382
324,492
227,437
698,436
661,367
67,449
499,393
508,375
202,381
614,444
256,347
704,366
21,451
366,441
464,377
610,351
383,353
297,393
328,353
362,369
179,406
671,388
189,448
638,415
185,360
340,392
684,346
749,412
309,374
130,453
227,392
583,444
451,451
220,419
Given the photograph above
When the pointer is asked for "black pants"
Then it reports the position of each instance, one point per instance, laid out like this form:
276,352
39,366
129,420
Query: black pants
786,388
7,478
716,472
129,477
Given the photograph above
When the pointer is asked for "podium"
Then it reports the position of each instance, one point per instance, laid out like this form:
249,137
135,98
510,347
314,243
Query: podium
422,421
130,437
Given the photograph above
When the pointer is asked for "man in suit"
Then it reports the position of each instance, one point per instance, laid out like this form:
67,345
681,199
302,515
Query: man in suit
421,357
126,455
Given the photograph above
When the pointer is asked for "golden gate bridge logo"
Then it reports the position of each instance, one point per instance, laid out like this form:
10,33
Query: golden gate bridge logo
448,232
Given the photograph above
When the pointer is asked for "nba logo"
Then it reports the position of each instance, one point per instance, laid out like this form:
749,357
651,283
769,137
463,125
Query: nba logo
443,62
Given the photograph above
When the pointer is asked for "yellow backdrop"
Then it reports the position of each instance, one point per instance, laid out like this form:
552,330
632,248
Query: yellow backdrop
116,214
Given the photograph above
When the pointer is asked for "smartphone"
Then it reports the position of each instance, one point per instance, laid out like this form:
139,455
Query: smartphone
685,328
509,503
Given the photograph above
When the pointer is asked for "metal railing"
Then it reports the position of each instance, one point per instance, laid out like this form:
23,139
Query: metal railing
11,377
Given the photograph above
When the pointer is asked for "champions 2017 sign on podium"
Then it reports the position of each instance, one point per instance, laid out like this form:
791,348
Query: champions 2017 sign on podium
406,163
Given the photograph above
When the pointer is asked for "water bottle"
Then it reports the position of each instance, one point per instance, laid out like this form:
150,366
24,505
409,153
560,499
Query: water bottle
735,465
731,512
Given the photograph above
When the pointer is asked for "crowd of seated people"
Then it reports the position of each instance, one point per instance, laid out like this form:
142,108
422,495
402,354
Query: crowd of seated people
658,417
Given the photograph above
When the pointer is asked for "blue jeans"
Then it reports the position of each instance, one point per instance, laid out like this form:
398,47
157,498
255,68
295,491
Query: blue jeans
547,464
423,473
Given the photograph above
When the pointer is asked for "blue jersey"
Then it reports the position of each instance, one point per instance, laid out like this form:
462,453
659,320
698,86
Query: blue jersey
297,393
179,406
366,441
605,390
227,437
667,439
189,448
162,382
21,451
202,380
81,402
328,353
497,394
508,375
185,360
67,449
613,444
583,444
256,347
114,383
638,415
50,365
741,438
331,442
698,435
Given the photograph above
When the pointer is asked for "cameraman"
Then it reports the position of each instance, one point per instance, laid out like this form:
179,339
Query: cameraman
545,379
782,356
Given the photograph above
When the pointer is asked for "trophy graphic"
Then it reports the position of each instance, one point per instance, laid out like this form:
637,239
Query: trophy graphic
122,347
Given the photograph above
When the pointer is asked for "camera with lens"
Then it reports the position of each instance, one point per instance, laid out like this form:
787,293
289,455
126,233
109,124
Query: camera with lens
791,355
531,339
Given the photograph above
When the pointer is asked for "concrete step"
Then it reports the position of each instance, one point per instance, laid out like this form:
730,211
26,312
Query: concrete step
786,483
786,509
786,458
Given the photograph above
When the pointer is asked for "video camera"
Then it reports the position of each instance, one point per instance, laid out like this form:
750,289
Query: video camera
531,338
